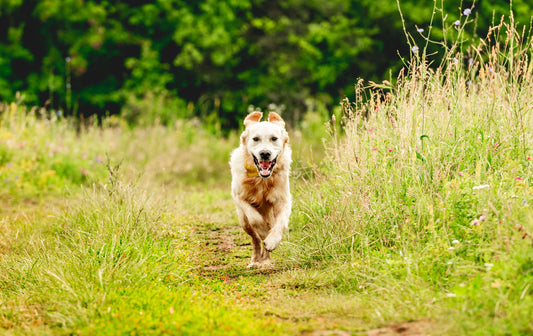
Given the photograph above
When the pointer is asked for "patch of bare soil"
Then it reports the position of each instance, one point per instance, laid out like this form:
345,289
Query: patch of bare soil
416,328
221,239
219,243
327,333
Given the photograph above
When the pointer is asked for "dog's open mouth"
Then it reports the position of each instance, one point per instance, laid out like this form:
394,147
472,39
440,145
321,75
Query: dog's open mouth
265,167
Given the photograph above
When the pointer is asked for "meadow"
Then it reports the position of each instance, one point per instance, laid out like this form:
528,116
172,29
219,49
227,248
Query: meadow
412,215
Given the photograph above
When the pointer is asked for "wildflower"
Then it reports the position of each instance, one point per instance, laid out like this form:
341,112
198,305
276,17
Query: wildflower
460,173
483,186
482,218
470,61
518,178
528,158
414,49
467,11
67,59
451,294
475,222
491,69
455,61
371,129
59,113
98,159
375,149
390,150
457,23
83,171
489,265
420,30
467,83
455,241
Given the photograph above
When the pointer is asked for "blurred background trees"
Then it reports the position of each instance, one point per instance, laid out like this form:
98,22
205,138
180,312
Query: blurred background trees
169,59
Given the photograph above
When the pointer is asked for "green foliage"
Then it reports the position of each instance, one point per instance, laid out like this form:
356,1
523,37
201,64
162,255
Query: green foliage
93,57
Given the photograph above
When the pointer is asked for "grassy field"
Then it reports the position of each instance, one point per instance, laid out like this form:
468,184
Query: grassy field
413,217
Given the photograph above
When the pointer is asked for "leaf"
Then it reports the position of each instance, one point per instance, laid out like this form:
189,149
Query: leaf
420,156
424,136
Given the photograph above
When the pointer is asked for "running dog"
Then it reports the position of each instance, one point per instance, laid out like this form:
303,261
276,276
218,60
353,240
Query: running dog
260,183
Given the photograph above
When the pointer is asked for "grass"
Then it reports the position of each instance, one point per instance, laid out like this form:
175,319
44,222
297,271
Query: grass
417,219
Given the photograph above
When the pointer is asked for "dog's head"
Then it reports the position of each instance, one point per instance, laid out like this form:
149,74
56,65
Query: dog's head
265,140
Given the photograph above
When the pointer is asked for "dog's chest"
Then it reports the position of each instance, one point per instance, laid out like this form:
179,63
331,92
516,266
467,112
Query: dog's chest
259,192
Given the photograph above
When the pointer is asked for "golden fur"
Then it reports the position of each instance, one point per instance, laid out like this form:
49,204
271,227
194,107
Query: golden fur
263,202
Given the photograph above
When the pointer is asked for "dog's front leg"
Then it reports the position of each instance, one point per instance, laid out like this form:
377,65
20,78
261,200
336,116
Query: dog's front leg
247,212
279,225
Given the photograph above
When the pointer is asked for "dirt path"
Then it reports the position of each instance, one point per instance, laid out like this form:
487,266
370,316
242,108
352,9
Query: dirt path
222,252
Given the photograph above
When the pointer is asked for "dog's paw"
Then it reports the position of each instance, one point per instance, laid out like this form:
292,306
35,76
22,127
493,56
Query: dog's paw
259,264
253,264
271,242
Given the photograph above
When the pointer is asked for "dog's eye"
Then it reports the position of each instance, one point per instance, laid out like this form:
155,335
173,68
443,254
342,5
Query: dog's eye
255,139
274,139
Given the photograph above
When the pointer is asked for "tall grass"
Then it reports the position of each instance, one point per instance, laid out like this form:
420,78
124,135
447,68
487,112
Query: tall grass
429,187
40,152
101,223
109,254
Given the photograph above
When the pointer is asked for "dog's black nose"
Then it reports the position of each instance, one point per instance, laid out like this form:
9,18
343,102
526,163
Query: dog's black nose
265,155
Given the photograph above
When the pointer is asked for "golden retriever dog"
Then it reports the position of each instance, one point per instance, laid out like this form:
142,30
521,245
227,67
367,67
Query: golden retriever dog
260,183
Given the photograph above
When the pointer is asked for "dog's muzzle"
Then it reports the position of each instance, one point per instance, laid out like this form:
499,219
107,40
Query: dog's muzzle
264,167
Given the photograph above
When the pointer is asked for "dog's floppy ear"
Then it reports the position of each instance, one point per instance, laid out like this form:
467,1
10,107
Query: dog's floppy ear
274,118
252,118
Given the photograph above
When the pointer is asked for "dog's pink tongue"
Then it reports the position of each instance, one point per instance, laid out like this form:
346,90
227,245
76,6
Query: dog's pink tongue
265,167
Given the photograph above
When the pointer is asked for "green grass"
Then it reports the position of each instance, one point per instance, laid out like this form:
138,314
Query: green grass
419,217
